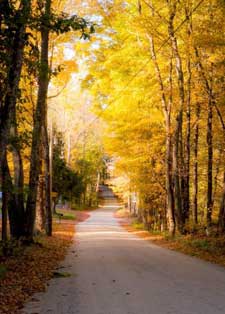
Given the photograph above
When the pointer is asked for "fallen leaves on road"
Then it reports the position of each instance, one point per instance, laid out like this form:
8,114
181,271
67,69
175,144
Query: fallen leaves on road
32,267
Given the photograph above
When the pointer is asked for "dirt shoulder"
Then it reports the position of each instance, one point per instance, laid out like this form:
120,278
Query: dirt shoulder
29,269
208,248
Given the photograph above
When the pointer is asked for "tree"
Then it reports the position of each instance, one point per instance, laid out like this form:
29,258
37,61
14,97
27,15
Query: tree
161,59
66,182
20,26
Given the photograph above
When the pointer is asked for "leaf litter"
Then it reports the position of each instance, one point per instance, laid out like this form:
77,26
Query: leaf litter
29,271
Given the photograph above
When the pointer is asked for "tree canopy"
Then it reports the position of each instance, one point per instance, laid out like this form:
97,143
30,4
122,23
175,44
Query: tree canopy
139,83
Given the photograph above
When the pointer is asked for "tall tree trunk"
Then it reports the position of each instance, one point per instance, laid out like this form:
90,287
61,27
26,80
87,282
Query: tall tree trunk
18,182
51,140
211,103
40,205
7,121
178,161
40,117
186,194
216,174
4,202
40,216
169,157
210,161
195,170
16,215
176,173
4,217
16,224
186,191
221,219
13,79
166,109
48,189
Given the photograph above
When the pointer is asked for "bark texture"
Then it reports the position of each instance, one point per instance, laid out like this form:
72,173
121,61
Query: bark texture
40,118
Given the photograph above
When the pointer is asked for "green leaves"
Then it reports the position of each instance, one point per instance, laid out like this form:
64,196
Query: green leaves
63,24
66,182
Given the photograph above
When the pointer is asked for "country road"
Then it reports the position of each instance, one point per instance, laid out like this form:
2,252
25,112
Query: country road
115,272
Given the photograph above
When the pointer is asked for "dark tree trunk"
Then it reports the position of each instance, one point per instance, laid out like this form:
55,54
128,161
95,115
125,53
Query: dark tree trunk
216,174
16,221
221,217
169,158
48,199
221,220
177,179
186,194
11,96
7,121
210,161
178,163
167,110
4,203
211,103
18,182
40,118
4,217
195,172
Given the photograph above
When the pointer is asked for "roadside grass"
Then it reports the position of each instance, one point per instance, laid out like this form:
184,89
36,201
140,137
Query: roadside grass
67,214
71,214
208,248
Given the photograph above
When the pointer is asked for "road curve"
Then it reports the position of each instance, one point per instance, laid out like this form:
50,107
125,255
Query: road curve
115,272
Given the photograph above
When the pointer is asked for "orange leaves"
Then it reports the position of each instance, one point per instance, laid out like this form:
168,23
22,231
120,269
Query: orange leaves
32,267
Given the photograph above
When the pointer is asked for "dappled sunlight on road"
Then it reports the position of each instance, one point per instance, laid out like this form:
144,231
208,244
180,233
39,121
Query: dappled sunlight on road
110,206
105,233
114,271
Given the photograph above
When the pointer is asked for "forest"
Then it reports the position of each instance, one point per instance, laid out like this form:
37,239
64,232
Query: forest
158,84
104,98
136,83
35,156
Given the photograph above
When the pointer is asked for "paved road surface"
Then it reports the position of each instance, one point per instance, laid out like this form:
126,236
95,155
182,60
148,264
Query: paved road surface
115,272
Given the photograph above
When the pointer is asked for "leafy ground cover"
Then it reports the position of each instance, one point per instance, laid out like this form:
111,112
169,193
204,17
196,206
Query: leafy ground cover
28,270
208,248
